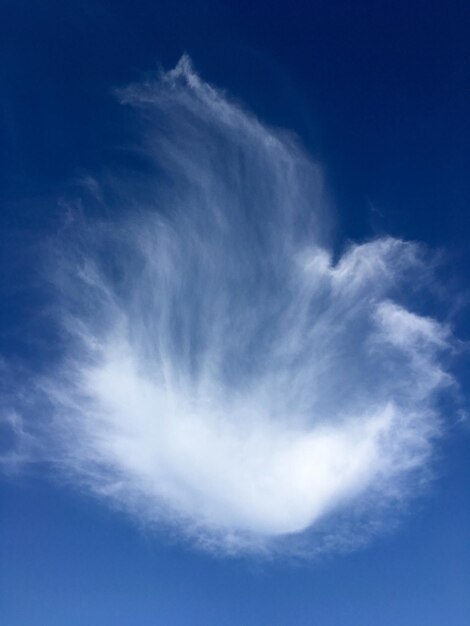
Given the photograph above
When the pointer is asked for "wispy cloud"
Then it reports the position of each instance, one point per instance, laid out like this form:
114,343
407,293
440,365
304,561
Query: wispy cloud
222,373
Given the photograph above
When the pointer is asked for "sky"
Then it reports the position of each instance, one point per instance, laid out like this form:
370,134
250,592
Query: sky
235,313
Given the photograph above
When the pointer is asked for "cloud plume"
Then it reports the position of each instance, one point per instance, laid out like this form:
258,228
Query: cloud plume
223,373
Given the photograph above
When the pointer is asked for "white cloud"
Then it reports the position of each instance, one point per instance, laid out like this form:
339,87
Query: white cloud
221,373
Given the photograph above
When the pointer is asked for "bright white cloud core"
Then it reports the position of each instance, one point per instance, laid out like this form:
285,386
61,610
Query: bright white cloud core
223,373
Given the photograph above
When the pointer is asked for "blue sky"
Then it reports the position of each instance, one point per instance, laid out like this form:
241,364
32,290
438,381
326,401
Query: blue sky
234,313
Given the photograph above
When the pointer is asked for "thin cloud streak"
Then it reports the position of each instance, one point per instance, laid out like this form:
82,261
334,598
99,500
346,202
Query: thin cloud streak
222,375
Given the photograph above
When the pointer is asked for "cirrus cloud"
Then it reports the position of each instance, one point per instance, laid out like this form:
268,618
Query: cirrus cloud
223,373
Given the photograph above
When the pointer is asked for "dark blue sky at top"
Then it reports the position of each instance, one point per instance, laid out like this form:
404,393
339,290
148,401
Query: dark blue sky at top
380,94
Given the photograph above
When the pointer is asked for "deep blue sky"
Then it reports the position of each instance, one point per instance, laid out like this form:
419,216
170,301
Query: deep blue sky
380,94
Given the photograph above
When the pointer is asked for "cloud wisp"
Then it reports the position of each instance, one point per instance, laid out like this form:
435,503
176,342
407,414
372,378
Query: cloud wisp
223,374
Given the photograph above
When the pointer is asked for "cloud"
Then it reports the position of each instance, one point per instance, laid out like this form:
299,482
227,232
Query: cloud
222,373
